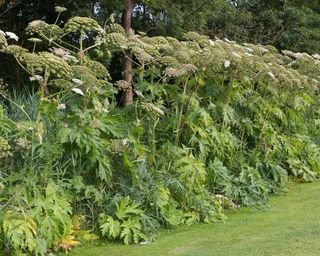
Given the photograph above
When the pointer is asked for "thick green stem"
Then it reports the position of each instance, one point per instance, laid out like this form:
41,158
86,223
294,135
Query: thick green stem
181,113
155,123
81,52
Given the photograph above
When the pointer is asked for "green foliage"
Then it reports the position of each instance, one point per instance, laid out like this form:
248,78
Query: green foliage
127,225
214,125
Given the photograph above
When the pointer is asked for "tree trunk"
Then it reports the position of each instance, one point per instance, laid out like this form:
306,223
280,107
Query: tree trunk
127,96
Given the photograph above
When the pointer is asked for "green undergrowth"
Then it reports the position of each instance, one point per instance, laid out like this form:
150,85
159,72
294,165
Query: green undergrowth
288,227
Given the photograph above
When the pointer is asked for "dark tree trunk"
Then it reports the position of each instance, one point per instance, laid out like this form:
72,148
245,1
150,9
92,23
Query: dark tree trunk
127,96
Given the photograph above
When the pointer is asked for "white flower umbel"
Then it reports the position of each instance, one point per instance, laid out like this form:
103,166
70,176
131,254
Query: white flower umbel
125,141
35,23
12,36
316,56
78,91
60,9
227,63
35,40
264,50
2,33
77,81
249,49
36,78
61,106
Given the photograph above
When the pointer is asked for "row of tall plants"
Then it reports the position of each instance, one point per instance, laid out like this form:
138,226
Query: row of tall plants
214,125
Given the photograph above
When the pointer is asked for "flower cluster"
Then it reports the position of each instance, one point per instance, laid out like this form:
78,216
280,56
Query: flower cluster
82,24
5,148
22,143
64,54
3,88
115,28
116,40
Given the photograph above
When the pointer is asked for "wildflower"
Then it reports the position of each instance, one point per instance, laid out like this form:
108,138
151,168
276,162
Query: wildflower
298,55
172,72
64,54
22,143
3,88
61,106
2,33
35,24
143,56
249,49
125,141
122,84
5,148
12,36
36,78
264,50
34,40
227,64
190,68
153,108
316,56
60,9
78,91
77,81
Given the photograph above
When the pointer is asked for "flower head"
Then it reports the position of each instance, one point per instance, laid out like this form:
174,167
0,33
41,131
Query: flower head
36,78
12,36
125,141
61,106
60,9
249,49
35,40
78,91
227,63
77,81
36,23
316,56
122,84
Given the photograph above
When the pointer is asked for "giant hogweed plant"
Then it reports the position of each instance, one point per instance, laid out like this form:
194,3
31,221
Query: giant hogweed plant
62,76
214,125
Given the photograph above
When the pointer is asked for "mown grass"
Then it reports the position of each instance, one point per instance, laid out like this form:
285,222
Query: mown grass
291,226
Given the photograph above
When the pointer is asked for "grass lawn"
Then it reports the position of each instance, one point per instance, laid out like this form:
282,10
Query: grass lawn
290,227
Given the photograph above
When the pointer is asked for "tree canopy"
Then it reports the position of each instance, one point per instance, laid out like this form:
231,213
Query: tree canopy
288,24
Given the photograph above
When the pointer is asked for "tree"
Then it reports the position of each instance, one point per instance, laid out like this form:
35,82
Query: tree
127,97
